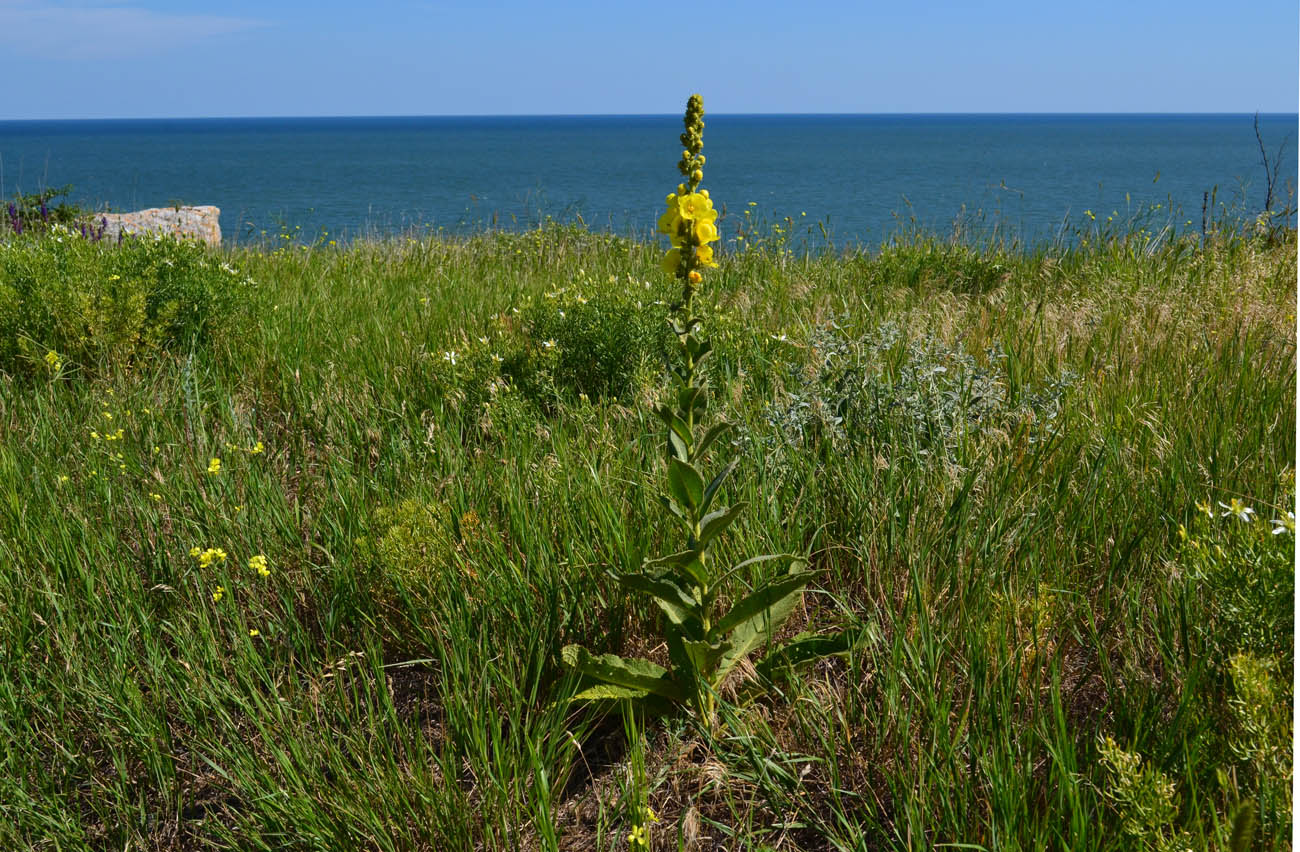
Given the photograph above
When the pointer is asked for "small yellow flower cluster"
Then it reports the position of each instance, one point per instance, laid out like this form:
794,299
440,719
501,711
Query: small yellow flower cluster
214,466
53,361
639,837
209,556
258,564
256,450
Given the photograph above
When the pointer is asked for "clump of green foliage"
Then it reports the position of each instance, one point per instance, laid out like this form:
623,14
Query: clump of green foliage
34,213
73,303
591,346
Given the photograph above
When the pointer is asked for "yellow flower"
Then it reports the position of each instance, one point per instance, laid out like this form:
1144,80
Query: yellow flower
704,254
207,557
638,837
258,564
671,261
53,360
706,232
218,595
253,633
669,221
694,277
214,466
697,207
194,551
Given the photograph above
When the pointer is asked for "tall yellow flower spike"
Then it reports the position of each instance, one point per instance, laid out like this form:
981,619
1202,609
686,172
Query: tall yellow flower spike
689,219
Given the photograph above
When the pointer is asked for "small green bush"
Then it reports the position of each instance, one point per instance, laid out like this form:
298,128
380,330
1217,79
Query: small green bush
67,302
598,343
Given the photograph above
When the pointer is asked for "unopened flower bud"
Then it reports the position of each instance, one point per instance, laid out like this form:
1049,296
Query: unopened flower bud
697,175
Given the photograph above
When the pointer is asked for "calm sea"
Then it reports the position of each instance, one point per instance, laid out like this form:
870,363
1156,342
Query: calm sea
860,176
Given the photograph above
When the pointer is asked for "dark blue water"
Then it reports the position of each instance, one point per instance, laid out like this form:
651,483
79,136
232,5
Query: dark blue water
860,175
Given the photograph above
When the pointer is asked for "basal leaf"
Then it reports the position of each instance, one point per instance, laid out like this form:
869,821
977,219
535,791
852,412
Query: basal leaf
613,669
806,648
603,691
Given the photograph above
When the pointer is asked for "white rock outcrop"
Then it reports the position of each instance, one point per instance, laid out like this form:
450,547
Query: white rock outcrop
199,223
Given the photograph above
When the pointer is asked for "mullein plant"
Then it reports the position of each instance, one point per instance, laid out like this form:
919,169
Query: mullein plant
704,642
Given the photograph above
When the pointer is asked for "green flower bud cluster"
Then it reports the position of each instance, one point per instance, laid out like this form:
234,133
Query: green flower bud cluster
691,164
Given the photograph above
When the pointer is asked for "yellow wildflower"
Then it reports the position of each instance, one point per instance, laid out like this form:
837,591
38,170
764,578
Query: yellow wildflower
53,361
212,554
258,564
214,466
157,498
638,837
706,232
694,277
704,254
697,207
218,595
194,551
252,632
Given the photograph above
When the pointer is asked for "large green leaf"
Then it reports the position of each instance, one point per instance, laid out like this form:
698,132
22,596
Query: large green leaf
771,596
704,656
685,482
675,423
807,647
715,432
692,399
715,523
631,674
608,691
758,630
676,603
793,560
711,491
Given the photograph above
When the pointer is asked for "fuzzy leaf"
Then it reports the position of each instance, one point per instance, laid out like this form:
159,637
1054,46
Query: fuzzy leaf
715,523
607,691
757,631
771,598
716,431
705,656
675,423
711,491
807,647
677,447
686,483
677,604
630,674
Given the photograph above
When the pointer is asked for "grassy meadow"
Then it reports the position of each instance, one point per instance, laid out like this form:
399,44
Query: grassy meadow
291,539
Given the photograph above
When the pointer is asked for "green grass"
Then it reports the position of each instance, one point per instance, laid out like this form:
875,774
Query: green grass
987,453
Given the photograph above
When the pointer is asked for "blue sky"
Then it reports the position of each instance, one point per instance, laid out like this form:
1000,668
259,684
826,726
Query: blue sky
143,58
